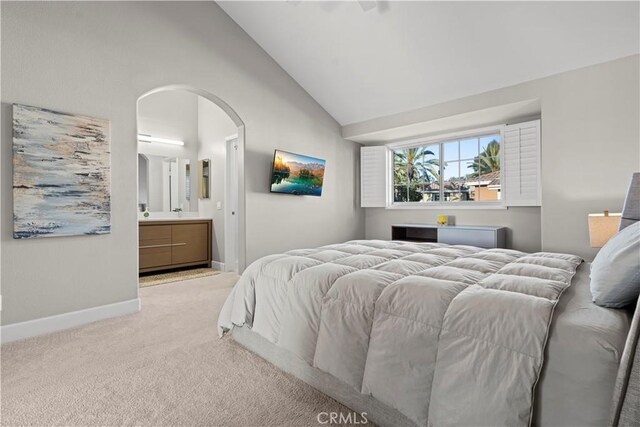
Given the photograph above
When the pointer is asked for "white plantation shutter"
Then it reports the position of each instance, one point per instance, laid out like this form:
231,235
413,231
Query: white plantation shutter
521,168
373,177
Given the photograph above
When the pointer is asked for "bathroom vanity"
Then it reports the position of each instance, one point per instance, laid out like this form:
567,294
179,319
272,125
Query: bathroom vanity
166,243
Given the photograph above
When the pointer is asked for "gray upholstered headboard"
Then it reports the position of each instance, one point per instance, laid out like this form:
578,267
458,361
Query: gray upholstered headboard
625,409
631,209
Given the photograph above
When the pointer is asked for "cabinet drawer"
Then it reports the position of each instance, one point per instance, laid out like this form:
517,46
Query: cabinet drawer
155,256
154,234
189,243
464,236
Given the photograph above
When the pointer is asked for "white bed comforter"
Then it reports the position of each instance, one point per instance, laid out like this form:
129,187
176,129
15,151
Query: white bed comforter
447,335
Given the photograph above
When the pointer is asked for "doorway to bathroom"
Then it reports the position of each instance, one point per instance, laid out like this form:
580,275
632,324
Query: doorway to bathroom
190,185
231,196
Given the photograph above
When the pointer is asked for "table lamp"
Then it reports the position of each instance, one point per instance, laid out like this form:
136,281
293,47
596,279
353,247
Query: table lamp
602,226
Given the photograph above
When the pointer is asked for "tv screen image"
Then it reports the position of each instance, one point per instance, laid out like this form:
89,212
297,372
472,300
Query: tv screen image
296,174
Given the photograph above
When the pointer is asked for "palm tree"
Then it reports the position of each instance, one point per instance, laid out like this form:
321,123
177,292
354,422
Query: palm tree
488,160
412,163
399,168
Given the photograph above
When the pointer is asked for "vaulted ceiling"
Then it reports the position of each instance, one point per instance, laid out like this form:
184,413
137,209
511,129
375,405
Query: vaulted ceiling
367,59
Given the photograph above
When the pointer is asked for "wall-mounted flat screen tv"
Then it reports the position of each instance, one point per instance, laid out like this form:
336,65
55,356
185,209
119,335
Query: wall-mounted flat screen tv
296,174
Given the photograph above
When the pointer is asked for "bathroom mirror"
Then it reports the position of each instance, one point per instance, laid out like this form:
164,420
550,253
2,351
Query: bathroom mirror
165,184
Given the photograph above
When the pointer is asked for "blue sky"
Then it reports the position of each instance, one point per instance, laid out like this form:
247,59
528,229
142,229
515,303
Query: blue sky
292,157
466,149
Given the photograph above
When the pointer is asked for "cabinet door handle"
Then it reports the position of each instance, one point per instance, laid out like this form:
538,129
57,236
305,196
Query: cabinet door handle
163,246
156,246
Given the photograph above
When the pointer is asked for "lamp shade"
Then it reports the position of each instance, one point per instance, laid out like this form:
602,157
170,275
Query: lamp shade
602,227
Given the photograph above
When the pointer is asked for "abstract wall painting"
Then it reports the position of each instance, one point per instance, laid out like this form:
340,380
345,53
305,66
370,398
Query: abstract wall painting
61,174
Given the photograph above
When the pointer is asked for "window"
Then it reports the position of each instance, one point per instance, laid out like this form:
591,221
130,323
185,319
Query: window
454,170
416,174
490,168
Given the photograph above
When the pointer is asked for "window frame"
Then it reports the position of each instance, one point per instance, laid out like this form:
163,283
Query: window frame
441,139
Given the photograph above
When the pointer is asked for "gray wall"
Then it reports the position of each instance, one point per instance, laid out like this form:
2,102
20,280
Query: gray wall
213,127
590,148
98,58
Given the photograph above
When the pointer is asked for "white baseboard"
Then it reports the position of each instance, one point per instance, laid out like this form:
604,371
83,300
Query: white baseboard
45,325
217,265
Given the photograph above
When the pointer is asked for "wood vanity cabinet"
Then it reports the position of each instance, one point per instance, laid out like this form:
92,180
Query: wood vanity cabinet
172,244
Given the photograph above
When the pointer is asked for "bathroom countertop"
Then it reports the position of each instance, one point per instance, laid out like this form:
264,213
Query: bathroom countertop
184,218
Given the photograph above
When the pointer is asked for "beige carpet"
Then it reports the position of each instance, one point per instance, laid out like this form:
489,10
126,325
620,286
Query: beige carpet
175,276
164,366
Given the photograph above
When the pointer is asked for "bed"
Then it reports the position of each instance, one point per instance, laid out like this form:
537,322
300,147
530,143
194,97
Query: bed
312,313
431,334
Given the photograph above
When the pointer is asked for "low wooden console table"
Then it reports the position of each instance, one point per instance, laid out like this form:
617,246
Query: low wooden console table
483,236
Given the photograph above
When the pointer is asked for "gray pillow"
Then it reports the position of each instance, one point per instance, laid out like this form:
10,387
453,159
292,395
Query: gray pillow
615,272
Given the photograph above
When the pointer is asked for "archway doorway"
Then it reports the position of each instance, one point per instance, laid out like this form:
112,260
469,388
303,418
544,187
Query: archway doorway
229,251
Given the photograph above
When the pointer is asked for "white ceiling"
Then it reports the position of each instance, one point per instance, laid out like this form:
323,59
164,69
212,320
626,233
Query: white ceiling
400,56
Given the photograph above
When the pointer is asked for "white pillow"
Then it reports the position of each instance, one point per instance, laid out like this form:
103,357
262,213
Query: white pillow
615,272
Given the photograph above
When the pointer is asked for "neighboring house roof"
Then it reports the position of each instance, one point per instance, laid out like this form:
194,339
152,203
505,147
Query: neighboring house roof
491,179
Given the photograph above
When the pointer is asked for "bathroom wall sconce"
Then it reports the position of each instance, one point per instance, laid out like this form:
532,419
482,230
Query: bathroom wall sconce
204,184
149,139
